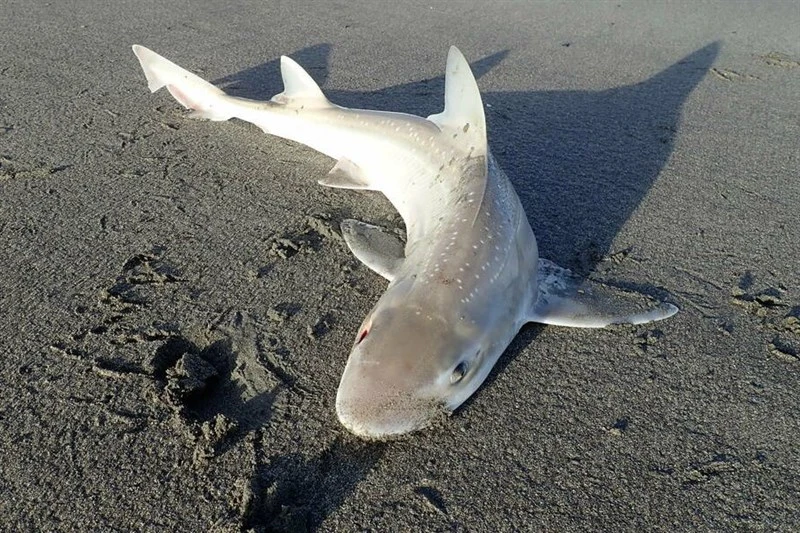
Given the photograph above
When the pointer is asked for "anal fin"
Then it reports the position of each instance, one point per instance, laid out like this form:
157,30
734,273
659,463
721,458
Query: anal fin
380,250
566,300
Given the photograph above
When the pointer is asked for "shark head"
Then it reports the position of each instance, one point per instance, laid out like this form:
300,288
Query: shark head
408,367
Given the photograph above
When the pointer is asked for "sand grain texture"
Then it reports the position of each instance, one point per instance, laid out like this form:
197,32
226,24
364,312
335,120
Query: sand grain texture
178,303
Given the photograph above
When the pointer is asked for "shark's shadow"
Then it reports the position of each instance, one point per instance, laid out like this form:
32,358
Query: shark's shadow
581,161
422,97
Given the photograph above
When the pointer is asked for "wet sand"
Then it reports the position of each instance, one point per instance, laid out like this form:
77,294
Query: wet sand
179,304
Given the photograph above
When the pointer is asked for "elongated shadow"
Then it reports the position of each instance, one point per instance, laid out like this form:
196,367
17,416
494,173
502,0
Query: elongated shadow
581,161
423,97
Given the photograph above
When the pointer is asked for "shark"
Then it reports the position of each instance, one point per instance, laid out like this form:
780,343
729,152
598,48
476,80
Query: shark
468,275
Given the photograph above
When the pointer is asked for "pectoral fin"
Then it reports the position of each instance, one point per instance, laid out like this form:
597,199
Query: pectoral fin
380,250
566,300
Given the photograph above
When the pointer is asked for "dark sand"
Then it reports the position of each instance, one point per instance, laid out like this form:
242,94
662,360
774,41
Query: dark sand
178,304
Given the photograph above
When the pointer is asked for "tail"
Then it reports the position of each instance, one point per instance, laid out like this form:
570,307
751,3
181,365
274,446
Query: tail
192,91
209,102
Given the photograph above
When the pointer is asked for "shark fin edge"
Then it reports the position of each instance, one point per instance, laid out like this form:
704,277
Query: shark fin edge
346,175
190,90
374,246
463,116
566,300
299,88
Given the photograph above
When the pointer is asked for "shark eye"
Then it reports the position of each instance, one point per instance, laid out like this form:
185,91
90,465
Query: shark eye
458,373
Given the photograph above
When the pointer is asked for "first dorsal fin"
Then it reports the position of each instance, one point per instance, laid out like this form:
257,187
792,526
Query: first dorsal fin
298,86
463,115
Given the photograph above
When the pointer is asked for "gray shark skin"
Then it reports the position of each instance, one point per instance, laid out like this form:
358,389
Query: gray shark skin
468,276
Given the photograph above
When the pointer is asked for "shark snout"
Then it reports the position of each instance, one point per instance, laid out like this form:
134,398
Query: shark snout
376,408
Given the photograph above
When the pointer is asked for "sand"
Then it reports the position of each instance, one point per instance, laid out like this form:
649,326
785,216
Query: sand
178,303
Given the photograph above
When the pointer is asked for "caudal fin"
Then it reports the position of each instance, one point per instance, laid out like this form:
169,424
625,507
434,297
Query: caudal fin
192,91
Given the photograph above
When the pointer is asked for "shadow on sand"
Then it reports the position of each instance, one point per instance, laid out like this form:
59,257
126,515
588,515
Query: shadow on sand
581,162
290,492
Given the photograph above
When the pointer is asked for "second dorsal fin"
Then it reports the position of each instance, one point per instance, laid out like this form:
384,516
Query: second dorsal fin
463,115
299,88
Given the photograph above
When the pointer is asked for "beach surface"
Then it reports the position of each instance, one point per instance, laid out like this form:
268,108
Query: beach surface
178,303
